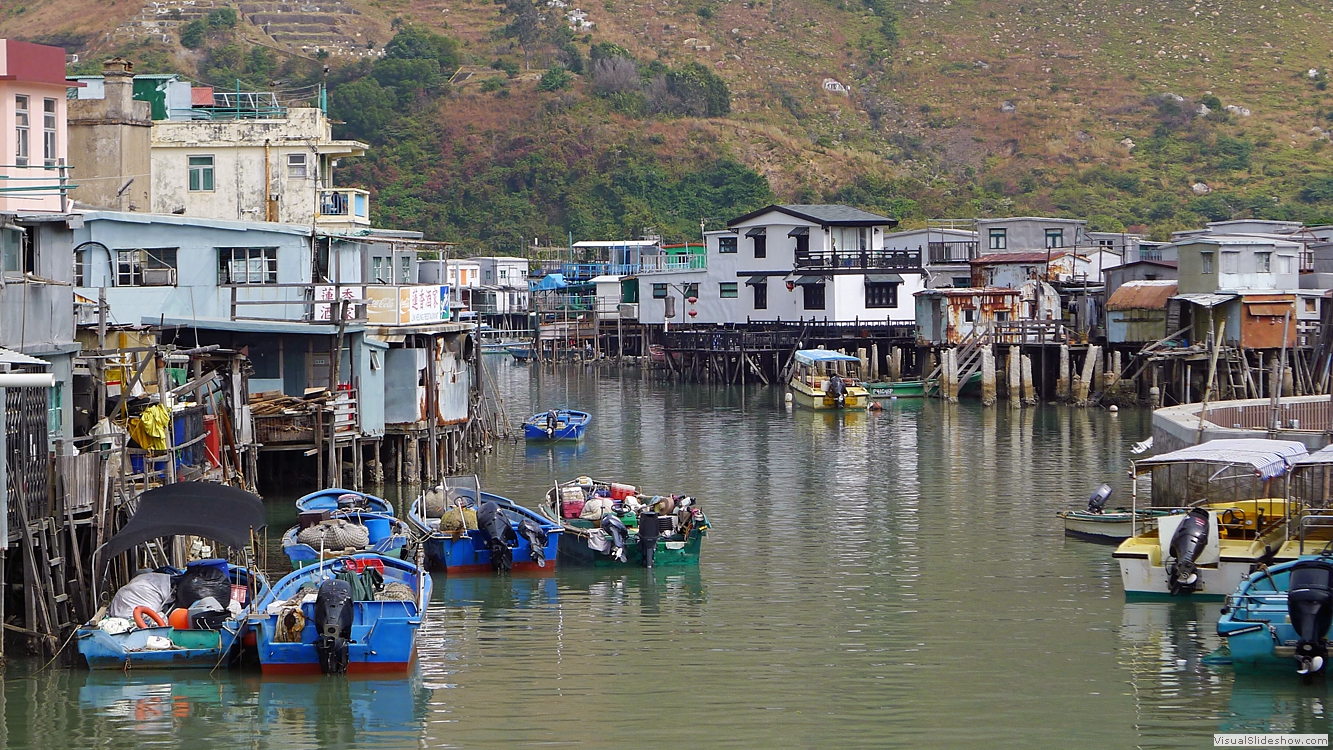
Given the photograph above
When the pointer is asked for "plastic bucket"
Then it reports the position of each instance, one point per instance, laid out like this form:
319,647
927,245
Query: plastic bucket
379,529
212,444
621,491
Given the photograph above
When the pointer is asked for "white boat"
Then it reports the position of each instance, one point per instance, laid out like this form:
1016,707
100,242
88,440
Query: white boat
1097,524
816,382
1210,547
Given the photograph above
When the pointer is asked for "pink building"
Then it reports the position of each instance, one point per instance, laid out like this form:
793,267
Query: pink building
33,148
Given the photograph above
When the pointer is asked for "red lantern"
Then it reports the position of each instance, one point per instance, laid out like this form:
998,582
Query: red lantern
693,313
692,299
790,285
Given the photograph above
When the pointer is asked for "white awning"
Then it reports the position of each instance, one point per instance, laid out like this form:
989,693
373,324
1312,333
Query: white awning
1268,458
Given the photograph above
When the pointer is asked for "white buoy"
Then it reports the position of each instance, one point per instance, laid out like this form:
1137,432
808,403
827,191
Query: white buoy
788,398
1113,409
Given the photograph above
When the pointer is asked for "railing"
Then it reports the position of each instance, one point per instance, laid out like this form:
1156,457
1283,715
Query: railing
34,181
880,260
952,252
1312,416
345,204
1030,332
663,263
557,303
666,263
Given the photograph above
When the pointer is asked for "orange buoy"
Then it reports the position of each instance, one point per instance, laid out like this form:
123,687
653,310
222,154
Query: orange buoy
179,618
141,612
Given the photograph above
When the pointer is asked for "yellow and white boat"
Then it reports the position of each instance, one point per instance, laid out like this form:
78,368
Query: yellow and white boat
1312,486
816,382
1208,550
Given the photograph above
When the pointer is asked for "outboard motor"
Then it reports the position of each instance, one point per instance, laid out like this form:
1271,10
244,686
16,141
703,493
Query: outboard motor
1186,545
1310,607
648,536
333,625
837,389
499,536
1099,497
615,528
536,536
552,421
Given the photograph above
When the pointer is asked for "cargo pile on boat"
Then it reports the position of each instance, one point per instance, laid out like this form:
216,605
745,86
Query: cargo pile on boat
612,523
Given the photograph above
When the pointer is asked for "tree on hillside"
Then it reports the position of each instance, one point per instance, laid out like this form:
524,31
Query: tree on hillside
700,91
416,42
524,26
365,107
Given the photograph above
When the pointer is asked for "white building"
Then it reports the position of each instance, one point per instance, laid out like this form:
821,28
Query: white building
790,262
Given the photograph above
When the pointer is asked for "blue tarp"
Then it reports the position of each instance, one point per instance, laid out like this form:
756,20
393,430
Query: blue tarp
811,356
549,282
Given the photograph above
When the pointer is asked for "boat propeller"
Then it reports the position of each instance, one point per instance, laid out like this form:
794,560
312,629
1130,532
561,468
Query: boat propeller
498,534
536,536
615,528
1310,610
1186,545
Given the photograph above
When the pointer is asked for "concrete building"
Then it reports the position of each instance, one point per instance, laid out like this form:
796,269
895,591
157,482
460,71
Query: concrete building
239,156
111,138
32,127
790,262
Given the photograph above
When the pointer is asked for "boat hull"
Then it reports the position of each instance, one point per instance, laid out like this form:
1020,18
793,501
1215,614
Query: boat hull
1255,624
574,550
195,649
571,426
1107,528
328,500
466,553
815,398
383,635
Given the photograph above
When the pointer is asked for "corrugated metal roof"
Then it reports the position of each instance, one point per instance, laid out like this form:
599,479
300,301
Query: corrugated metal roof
1212,299
1142,295
1035,256
11,357
1268,458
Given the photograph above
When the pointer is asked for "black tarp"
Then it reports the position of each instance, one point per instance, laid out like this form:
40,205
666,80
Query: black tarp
213,511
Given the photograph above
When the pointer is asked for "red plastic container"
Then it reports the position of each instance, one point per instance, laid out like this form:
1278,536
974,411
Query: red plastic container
622,491
211,442
571,508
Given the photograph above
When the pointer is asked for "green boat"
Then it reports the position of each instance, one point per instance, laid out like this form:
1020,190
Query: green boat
679,530
917,388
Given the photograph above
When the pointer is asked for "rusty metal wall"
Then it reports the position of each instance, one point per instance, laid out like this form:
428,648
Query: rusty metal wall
1260,328
1312,416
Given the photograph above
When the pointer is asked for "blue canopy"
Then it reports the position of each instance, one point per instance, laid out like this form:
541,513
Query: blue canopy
549,282
811,356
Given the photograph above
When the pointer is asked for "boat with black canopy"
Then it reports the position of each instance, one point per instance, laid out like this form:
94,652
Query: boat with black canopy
185,607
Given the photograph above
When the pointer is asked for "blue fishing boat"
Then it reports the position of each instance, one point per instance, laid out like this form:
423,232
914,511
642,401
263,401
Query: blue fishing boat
345,532
521,353
174,618
354,614
557,424
493,534
1281,616
336,498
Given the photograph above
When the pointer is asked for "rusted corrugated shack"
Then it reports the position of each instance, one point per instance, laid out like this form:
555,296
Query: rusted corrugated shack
947,316
1136,311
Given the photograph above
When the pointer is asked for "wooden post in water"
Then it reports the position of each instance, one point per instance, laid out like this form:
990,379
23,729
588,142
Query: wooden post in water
1029,389
1014,380
1062,392
987,376
874,361
1084,382
865,362
896,364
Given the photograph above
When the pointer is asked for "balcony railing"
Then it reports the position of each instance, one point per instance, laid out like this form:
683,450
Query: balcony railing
952,252
661,263
344,205
879,260
669,262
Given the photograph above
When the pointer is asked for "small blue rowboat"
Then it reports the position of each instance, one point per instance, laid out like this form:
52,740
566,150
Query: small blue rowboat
354,614
507,543
223,514
1282,616
557,424
386,535
336,498
520,354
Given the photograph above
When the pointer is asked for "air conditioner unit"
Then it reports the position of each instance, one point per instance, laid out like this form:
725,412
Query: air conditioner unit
159,277
629,310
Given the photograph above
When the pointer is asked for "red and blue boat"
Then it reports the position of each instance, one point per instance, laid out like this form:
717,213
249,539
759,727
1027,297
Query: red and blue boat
470,531
355,614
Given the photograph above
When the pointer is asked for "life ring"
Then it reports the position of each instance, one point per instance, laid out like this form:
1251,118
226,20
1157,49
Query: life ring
140,612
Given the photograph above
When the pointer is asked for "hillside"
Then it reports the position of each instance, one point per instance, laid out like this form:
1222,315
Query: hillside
1152,118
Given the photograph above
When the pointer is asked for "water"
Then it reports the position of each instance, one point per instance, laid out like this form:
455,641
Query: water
872,580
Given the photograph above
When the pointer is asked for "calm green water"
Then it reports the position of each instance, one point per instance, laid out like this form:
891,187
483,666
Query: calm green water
872,580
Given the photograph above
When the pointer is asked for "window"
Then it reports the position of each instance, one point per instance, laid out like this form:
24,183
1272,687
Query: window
881,294
761,295
726,244
405,270
377,270
814,296
78,268
247,265
999,239
863,239
1106,244
728,290
201,173
659,291
146,267
1206,261
49,155
1055,238
1230,262
1310,305
21,131
969,315
1285,264
296,166
1001,316
1263,262
962,282
760,246
11,250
